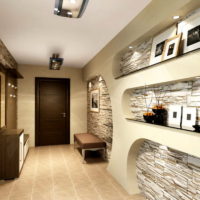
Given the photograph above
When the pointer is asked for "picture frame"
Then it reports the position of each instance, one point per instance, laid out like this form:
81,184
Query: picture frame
190,29
175,116
171,48
189,118
95,100
159,43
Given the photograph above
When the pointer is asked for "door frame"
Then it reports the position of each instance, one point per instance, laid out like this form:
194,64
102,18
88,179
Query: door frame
37,107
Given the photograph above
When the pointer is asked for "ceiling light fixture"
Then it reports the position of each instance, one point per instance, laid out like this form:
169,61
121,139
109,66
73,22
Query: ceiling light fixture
55,62
70,8
130,47
72,1
176,17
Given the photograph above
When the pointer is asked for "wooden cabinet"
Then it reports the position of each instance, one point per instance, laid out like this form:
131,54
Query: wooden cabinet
11,153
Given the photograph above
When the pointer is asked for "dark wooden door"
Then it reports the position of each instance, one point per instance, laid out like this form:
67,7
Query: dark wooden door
52,111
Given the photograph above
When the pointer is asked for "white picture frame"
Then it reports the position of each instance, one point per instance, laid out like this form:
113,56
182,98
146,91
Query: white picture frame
171,48
95,100
190,29
174,116
159,43
189,118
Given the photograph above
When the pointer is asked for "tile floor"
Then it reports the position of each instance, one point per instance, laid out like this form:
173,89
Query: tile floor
57,173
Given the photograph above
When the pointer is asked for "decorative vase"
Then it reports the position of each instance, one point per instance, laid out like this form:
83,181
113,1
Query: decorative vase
197,128
160,116
149,118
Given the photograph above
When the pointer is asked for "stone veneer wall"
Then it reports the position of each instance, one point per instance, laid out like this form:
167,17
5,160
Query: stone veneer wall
185,93
6,59
100,123
167,174
136,58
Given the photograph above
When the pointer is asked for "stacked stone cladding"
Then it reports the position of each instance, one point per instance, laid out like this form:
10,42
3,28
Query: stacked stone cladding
185,93
6,59
166,174
100,123
136,58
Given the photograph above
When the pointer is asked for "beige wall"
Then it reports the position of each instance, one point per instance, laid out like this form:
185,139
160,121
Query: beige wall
128,135
26,98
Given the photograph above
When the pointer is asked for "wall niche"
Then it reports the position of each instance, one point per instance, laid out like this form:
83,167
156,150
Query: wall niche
100,122
148,100
158,46
164,173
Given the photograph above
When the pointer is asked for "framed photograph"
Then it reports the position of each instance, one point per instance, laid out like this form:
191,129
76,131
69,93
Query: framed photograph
189,118
159,44
190,27
193,36
94,100
174,116
171,48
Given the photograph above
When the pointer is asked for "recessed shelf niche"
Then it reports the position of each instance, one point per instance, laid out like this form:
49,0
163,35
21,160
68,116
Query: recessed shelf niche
139,100
136,56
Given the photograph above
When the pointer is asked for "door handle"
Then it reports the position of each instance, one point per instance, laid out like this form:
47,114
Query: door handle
64,115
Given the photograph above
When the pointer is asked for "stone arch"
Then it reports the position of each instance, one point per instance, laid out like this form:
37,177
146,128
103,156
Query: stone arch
101,123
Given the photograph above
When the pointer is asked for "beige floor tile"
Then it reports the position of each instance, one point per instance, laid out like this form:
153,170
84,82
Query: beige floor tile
6,197
65,194
43,196
57,173
5,187
20,197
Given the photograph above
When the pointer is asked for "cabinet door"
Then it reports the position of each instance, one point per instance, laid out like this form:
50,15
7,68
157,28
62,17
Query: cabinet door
21,151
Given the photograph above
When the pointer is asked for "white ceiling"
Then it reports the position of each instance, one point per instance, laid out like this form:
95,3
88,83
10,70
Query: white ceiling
33,33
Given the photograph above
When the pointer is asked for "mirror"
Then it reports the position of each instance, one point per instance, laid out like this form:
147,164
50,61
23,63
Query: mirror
3,100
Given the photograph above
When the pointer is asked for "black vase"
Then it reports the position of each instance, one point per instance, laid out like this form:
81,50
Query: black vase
197,128
149,118
160,117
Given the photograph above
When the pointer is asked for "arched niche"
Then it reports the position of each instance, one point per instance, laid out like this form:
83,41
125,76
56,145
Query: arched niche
100,123
132,185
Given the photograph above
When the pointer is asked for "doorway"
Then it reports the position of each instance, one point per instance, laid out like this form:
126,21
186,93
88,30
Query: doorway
52,111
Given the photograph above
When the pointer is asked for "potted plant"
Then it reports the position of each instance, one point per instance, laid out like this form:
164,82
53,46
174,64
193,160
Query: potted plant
159,109
148,115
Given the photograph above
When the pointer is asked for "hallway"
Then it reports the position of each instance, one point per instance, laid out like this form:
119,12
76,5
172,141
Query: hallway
57,173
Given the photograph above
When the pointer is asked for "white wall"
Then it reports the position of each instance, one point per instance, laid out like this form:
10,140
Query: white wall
26,98
127,134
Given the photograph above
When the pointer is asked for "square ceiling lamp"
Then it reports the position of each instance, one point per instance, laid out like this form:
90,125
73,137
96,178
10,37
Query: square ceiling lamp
70,8
55,62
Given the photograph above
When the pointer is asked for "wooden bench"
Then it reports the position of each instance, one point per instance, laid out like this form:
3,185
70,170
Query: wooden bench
87,141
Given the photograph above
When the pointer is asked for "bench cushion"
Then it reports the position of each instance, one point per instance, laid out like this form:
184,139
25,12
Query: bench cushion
89,141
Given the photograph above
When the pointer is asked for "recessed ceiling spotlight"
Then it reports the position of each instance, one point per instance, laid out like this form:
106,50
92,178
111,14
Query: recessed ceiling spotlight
130,47
100,78
176,17
90,84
